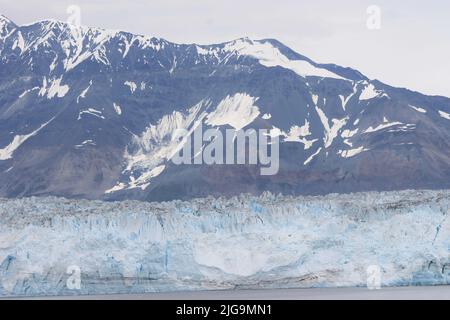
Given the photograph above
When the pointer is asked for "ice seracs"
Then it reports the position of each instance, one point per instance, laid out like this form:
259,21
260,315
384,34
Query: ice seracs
212,244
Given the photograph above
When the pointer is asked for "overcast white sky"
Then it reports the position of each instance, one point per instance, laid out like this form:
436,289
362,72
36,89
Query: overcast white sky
412,48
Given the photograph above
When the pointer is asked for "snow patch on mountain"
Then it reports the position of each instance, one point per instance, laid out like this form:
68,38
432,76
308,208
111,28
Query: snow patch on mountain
238,111
418,109
5,23
23,94
7,152
349,133
270,56
444,115
92,112
84,93
382,126
119,186
352,152
311,158
299,134
369,92
147,153
54,63
117,108
345,100
296,134
7,27
19,42
143,181
403,128
331,132
75,51
315,99
53,88
85,143
132,85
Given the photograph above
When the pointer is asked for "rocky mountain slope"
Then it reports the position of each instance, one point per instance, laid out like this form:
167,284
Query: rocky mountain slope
90,113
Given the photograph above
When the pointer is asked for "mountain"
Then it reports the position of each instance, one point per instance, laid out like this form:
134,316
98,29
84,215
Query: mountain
90,113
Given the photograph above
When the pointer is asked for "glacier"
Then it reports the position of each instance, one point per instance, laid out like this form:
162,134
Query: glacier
245,242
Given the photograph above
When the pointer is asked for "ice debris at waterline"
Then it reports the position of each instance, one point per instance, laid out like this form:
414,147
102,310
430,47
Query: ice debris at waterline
243,242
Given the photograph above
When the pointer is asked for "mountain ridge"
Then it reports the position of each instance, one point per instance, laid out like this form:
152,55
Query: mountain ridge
359,75
64,26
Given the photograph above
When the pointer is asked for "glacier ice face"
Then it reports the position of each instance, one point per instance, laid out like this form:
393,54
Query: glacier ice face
242,242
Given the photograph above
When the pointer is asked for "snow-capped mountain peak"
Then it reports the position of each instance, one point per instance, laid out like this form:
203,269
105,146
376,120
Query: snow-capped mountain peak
6,26
5,20
77,44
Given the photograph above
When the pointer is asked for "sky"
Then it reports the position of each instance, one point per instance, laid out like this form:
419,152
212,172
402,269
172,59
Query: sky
407,44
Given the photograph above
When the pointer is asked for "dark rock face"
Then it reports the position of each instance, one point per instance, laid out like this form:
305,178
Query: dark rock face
88,113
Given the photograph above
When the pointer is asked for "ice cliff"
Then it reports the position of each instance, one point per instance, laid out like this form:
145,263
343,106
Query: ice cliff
244,242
